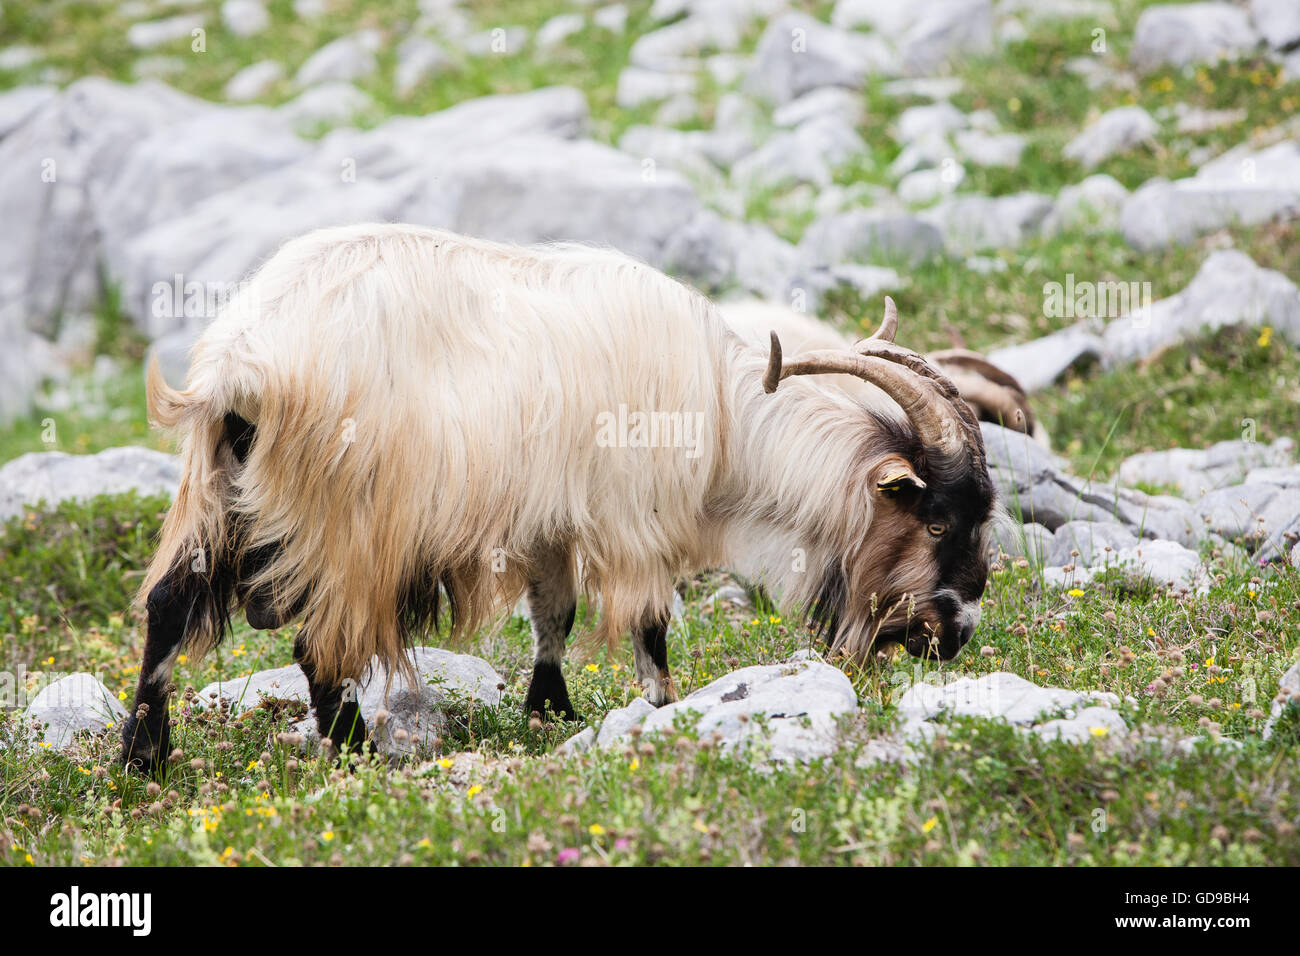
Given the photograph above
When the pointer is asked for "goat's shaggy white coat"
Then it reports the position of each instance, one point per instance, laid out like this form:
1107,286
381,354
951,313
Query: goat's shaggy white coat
426,408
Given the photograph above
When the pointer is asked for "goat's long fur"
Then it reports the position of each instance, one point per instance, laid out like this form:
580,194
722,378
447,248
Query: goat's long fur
425,408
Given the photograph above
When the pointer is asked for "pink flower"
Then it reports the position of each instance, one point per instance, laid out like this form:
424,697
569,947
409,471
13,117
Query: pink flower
567,855
621,844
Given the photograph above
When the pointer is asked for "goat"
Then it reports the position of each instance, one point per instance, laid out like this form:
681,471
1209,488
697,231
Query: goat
383,413
993,395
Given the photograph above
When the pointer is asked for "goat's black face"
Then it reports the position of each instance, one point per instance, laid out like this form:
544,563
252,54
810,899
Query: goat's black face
953,515
918,577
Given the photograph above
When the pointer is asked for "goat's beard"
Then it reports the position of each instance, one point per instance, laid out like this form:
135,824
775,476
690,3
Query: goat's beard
861,632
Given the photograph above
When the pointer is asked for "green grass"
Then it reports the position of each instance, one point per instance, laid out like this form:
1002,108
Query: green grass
1225,387
981,794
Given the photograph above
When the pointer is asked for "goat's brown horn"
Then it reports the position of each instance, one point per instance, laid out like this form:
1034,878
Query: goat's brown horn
921,398
888,325
773,377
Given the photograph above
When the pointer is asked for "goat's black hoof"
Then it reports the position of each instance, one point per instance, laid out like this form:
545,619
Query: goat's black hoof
146,745
547,690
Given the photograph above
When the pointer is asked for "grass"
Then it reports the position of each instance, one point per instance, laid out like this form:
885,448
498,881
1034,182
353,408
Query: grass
1204,666
982,794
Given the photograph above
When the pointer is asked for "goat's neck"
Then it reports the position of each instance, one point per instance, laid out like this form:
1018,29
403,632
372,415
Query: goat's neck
794,489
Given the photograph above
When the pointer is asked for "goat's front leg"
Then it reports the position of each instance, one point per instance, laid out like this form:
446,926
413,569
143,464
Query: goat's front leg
650,651
338,712
552,603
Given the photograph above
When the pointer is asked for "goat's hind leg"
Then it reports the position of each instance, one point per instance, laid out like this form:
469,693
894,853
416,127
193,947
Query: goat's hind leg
189,597
552,604
338,711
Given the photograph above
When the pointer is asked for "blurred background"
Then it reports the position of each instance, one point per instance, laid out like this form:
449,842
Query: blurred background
964,156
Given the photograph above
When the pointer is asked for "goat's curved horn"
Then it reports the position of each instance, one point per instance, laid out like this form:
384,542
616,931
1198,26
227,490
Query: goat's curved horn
888,325
772,378
921,398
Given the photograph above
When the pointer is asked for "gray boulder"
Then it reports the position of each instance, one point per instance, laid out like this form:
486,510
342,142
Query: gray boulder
1196,471
1246,511
76,704
928,35
64,157
1165,563
418,58
1097,201
415,713
332,103
1052,712
1039,362
787,712
798,53
245,18
1228,290
254,81
978,223
1278,21
990,149
344,60
1115,131
807,154
18,104
154,33
1241,187
53,476
1097,542
638,86
1190,33
870,235
802,704
1031,540
844,104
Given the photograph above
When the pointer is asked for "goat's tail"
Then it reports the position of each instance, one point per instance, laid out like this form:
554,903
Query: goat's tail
199,540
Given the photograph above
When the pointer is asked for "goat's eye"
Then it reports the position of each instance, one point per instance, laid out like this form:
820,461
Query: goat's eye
937,529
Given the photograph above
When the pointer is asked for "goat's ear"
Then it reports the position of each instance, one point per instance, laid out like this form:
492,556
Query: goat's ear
895,476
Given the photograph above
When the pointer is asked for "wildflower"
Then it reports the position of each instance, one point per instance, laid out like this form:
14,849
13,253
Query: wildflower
567,855
635,764
1265,335
473,791
596,829
700,826
121,695
773,619
929,824
1075,592
251,765
1099,731
327,836
593,667
446,763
